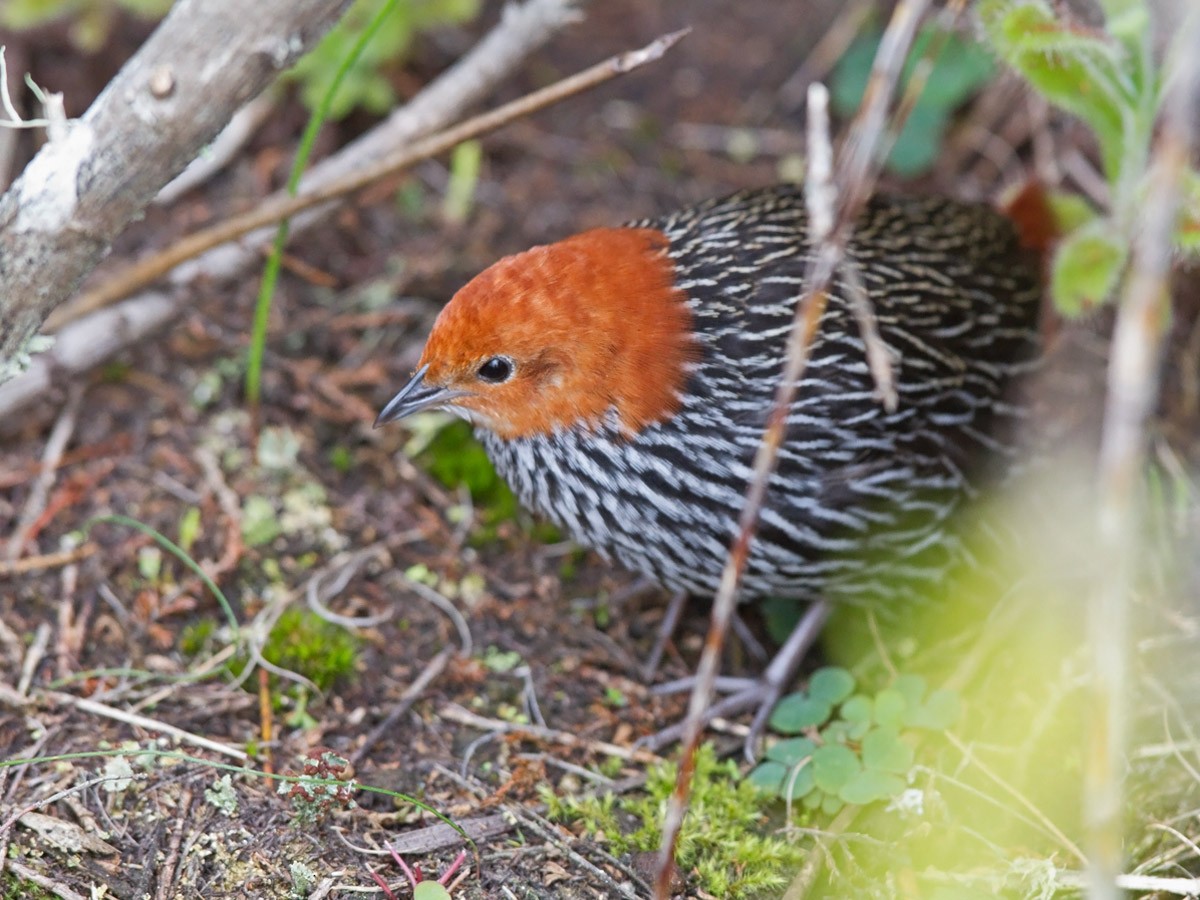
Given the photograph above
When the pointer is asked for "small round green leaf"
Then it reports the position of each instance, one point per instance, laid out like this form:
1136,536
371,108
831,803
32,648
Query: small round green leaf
768,777
884,751
869,786
831,684
798,711
912,688
430,890
832,804
890,707
838,731
833,765
939,712
792,751
798,783
858,709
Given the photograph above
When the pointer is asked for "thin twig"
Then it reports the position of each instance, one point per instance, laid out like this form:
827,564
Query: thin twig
1133,373
432,670
858,171
454,713
56,445
138,721
281,206
46,561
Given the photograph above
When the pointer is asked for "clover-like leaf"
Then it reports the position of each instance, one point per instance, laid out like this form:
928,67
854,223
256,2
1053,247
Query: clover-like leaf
798,783
831,804
791,752
839,731
890,707
833,765
939,711
768,776
870,786
883,750
912,688
798,711
831,684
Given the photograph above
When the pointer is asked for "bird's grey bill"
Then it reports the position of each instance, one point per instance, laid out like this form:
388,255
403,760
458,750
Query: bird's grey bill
414,397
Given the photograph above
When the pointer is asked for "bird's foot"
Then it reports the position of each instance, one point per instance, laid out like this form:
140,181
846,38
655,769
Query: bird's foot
759,694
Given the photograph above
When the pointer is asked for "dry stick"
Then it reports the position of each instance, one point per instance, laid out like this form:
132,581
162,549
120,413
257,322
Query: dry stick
56,445
279,207
1133,371
858,172
432,670
120,715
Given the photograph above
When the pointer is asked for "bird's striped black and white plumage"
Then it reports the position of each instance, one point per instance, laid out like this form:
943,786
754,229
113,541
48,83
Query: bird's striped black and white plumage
861,501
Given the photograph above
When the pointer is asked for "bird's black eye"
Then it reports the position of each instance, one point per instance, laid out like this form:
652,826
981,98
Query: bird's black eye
496,370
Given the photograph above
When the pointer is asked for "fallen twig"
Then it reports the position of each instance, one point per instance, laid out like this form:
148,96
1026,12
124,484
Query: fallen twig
281,206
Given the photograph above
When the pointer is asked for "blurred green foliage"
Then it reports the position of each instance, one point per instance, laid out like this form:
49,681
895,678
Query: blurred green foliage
962,67
365,85
1109,77
454,457
91,20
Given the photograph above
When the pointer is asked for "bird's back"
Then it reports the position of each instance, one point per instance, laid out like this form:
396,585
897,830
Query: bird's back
861,499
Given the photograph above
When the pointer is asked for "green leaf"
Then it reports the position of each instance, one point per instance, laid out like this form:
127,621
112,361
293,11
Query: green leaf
858,708
831,684
962,67
21,14
912,688
1081,70
465,163
1070,211
768,776
883,750
890,708
798,711
832,804
189,528
833,765
1087,267
792,751
430,890
798,783
940,711
870,786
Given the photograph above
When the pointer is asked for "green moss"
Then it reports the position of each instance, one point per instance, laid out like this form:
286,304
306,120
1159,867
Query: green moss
304,643
723,845
456,459
14,888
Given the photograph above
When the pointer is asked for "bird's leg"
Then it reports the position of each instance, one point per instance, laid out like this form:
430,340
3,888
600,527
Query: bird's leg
665,630
761,694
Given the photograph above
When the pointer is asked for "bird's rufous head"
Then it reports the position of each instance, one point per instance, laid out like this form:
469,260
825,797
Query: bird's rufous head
558,336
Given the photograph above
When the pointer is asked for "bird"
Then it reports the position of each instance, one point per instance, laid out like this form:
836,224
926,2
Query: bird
620,381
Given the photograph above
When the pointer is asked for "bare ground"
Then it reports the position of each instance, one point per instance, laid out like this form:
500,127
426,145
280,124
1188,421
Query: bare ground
164,431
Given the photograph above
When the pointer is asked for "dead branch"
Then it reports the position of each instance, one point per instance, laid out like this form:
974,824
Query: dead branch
59,218
85,343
